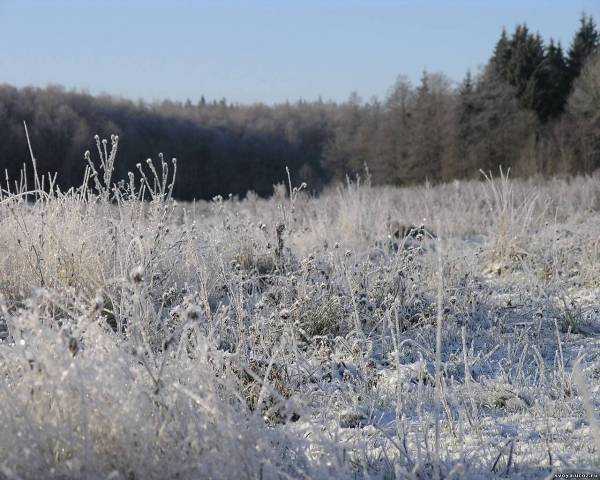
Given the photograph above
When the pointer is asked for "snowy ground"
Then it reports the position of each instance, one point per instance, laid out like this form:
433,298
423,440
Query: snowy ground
297,337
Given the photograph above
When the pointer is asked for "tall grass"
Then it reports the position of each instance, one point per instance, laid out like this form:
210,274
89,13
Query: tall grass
291,337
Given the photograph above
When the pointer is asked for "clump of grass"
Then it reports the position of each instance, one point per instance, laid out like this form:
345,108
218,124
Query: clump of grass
511,219
322,317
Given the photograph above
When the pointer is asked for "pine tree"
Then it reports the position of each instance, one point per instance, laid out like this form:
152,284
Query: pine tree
501,56
555,89
525,72
500,128
585,42
466,109
519,61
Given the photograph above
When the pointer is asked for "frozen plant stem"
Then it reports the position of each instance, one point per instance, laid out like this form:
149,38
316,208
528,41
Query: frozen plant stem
438,360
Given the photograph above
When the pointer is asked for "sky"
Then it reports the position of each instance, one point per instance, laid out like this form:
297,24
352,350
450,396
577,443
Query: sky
266,51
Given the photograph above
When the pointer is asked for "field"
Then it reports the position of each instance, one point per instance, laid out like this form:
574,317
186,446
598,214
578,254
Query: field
299,336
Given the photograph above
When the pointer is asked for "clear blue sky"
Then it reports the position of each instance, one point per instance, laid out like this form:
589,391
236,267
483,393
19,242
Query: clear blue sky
266,51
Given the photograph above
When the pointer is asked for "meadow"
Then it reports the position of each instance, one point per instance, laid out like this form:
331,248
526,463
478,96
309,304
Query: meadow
448,331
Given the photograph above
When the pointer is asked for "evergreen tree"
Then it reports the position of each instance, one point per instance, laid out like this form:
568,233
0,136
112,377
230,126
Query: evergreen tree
466,106
466,109
525,72
585,42
500,128
519,61
554,88
501,56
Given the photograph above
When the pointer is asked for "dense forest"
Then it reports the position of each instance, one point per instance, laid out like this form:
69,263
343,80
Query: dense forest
534,108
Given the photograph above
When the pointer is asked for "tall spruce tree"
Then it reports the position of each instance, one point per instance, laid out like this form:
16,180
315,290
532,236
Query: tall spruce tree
501,56
519,61
554,83
465,136
585,42
525,68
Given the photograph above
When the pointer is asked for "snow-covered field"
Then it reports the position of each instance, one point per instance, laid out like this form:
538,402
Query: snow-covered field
299,337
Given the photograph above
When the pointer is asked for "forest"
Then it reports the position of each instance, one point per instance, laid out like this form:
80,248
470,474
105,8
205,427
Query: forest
533,108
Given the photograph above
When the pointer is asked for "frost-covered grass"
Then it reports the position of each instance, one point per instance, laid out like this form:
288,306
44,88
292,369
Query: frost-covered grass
297,337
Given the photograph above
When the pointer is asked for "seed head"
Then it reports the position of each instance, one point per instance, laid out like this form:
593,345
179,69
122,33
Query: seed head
98,303
193,312
73,346
137,274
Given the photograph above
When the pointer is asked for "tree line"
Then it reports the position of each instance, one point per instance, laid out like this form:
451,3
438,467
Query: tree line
534,107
